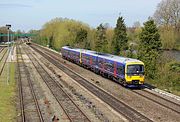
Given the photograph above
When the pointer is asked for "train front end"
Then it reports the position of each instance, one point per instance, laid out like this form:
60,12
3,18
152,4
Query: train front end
134,73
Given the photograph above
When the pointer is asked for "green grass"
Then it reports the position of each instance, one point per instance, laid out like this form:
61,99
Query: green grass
7,96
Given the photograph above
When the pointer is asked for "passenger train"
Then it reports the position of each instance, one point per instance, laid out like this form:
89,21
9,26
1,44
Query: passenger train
126,71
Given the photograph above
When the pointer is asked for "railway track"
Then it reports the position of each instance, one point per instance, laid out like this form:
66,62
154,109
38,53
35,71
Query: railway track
168,104
159,100
5,50
5,60
30,110
1,49
119,106
72,111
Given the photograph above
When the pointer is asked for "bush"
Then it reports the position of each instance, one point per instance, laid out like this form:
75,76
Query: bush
168,75
175,66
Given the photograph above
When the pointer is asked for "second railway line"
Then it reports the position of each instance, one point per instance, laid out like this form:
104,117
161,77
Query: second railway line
122,108
30,109
70,108
165,103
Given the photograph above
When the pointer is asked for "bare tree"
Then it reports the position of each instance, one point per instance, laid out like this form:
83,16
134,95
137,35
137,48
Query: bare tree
175,12
168,12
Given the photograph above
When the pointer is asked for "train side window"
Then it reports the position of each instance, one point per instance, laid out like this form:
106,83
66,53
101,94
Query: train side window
83,56
109,65
120,70
112,65
87,57
100,61
94,59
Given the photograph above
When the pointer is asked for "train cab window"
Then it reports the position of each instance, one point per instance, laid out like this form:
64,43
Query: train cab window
135,69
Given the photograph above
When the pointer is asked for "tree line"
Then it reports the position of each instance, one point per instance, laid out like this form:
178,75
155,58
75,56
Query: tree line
167,16
162,31
145,42
59,32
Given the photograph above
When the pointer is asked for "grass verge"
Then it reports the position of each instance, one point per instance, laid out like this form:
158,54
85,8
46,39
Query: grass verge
7,95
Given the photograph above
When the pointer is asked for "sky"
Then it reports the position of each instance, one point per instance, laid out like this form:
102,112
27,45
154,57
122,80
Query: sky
33,14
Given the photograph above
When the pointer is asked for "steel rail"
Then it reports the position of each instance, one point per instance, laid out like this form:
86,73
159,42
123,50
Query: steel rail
149,98
20,89
175,109
41,69
122,108
2,68
31,88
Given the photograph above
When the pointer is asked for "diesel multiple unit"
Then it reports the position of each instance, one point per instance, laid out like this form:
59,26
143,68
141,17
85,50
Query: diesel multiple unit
124,70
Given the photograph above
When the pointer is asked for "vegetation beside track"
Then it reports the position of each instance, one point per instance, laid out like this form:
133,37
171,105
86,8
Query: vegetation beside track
168,76
7,95
146,43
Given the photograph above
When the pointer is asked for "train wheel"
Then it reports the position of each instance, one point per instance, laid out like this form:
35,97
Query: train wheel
109,76
96,71
124,83
102,73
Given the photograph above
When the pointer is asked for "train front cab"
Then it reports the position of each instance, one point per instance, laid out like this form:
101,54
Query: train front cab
134,73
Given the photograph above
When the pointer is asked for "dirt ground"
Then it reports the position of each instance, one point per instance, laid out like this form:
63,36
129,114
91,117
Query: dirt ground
148,108
92,106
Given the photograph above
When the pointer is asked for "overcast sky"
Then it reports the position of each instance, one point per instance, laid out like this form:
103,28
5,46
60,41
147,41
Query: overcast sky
32,14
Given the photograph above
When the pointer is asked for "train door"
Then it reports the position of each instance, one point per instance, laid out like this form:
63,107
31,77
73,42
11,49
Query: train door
91,60
80,57
96,63
115,69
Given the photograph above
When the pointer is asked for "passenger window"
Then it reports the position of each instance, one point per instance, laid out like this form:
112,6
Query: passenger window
120,70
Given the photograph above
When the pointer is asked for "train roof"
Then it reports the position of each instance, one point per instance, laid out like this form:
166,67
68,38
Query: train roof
119,58
90,52
105,55
73,49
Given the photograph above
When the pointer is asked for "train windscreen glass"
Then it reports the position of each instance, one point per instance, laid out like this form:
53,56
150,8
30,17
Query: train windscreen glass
135,69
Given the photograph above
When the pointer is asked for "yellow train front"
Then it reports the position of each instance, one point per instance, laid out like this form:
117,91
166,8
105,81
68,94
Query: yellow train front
134,72
126,71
